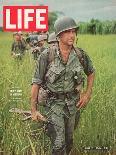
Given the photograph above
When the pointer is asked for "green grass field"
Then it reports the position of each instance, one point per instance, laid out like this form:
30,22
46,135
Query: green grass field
97,126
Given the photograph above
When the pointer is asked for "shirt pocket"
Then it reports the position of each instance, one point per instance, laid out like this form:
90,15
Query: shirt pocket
54,73
77,74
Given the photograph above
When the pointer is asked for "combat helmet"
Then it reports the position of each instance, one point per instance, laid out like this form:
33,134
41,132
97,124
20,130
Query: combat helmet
42,37
52,38
15,33
64,23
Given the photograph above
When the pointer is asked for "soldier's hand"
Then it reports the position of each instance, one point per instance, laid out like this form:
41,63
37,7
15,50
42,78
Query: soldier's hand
37,116
84,99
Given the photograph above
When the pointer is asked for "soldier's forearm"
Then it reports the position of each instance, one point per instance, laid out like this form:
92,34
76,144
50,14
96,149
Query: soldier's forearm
34,97
90,81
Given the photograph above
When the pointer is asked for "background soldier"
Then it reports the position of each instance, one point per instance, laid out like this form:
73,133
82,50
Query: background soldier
42,42
18,46
22,38
35,49
62,75
39,46
52,40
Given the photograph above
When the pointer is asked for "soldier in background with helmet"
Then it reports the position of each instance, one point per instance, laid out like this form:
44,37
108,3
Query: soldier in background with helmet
30,39
39,46
42,42
22,38
52,40
18,47
34,49
62,77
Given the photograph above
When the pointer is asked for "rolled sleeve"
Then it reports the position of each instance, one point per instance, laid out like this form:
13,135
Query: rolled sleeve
36,81
88,65
40,70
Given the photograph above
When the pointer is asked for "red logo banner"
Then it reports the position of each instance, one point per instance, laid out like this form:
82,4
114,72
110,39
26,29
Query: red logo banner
25,18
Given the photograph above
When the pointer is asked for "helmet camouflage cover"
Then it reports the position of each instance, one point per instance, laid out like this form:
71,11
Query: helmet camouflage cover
42,37
52,38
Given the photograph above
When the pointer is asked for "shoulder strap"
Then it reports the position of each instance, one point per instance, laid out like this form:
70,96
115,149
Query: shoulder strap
51,54
79,52
81,56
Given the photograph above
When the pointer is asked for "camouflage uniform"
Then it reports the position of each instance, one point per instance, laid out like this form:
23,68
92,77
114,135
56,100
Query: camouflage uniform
61,80
18,48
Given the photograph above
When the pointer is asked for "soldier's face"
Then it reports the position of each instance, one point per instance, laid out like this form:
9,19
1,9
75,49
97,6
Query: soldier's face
17,37
68,37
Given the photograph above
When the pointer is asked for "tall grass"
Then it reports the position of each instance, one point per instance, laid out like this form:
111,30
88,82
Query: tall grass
97,126
98,121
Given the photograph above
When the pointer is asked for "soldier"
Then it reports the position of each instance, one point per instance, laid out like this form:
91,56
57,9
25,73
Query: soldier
18,47
38,46
62,76
22,38
42,40
34,49
52,40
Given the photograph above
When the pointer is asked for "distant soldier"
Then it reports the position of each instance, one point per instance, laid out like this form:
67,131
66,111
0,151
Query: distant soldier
31,38
52,40
34,49
39,46
18,46
22,37
42,42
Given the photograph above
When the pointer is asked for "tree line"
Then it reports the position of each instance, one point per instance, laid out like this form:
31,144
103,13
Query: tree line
96,26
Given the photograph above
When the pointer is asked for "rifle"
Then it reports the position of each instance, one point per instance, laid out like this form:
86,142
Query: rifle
26,113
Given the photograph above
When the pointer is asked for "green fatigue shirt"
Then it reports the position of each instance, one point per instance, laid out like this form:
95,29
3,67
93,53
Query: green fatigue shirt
18,47
60,77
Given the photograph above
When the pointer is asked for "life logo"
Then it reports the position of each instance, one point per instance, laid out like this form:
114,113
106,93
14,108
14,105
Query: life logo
25,18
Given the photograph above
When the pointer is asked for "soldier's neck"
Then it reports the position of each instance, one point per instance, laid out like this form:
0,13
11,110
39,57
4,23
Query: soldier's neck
64,52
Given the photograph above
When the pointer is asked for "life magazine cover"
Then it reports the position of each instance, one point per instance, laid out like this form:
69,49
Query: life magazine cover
58,77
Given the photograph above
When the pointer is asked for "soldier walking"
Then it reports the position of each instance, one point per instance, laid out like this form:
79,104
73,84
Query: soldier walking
38,46
60,71
18,47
